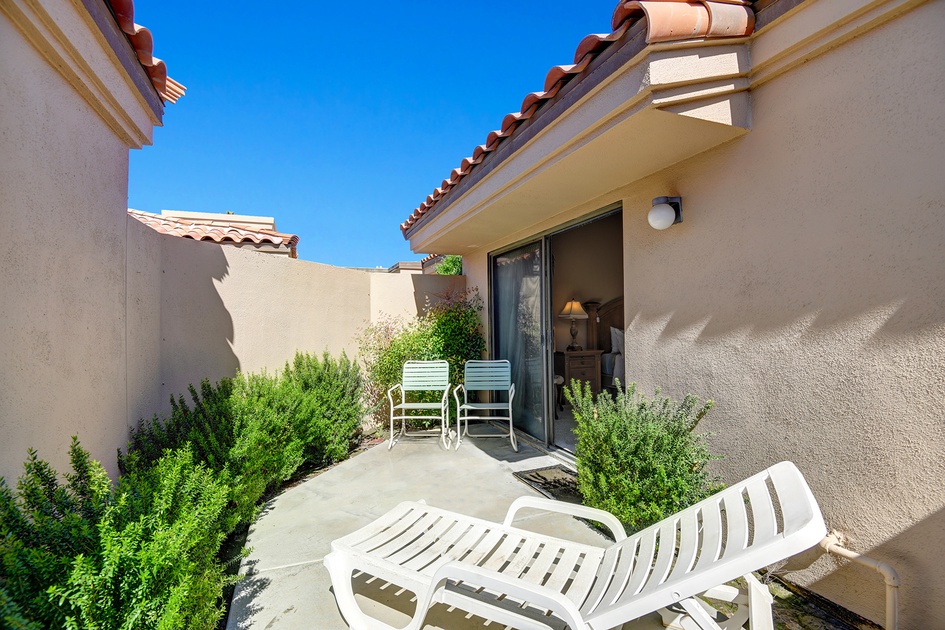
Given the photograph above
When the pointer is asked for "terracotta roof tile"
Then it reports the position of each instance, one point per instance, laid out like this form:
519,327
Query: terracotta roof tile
143,43
217,233
665,20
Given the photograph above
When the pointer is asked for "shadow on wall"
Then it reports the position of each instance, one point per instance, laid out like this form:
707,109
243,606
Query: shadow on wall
762,271
916,555
429,289
196,327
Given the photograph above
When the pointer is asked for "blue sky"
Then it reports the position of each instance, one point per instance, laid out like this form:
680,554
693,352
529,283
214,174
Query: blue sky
338,119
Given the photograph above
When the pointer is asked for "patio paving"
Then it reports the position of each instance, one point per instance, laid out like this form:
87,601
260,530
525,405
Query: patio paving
286,585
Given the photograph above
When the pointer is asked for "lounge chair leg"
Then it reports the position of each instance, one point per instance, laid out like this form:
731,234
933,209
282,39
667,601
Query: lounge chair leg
341,572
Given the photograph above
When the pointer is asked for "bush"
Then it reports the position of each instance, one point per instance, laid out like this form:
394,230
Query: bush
82,555
638,458
43,526
451,265
157,567
451,330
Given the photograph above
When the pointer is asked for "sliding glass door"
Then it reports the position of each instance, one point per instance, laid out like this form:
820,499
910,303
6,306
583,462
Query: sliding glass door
518,279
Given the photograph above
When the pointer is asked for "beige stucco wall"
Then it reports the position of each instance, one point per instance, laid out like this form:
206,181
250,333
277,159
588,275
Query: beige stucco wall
222,309
63,192
803,293
400,295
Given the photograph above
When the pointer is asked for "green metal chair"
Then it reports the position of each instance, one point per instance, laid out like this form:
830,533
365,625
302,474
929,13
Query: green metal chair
421,376
494,377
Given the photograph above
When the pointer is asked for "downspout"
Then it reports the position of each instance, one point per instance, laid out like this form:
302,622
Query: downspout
832,544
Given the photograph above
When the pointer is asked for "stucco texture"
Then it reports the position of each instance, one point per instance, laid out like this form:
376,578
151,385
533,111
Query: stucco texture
63,191
803,292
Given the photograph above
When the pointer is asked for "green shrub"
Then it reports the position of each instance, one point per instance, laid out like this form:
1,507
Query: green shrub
638,458
451,330
82,555
43,526
157,567
330,406
451,265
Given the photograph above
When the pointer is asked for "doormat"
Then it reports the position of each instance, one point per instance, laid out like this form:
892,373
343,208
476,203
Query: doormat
555,482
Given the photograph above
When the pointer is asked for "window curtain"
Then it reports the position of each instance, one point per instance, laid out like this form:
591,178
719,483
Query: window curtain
516,294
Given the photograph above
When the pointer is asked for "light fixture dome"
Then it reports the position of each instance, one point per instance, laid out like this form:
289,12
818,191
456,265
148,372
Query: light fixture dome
661,216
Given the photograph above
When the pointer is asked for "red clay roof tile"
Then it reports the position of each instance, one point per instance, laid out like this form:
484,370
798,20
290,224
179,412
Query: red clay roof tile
217,233
666,21
143,43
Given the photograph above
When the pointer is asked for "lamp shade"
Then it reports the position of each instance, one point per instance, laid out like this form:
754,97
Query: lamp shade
661,216
573,310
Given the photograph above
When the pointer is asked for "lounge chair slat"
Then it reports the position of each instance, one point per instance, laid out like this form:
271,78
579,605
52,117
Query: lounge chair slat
503,553
592,587
393,531
395,518
563,571
764,523
665,555
736,519
523,558
643,564
688,540
622,573
430,537
472,534
481,550
605,575
711,534
406,537
584,580
539,568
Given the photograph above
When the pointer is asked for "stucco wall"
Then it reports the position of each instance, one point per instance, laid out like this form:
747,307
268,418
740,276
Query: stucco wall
223,309
803,293
402,295
63,192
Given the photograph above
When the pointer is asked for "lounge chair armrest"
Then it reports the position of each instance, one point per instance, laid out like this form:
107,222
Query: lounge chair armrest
563,507
535,594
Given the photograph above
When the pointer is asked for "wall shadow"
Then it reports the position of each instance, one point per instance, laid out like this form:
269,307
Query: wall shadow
916,553
196,327
429,289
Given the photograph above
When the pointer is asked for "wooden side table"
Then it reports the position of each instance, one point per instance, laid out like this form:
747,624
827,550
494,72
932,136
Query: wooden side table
583,365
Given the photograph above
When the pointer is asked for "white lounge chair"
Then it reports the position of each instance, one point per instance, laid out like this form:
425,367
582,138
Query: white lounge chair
518,578
494,377
421,376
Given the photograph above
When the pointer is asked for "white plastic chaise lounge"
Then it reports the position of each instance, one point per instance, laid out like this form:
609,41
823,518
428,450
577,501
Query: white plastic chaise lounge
525,580
421,376
494,377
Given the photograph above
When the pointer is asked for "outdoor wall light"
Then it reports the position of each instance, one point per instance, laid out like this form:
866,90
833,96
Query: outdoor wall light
573,310
666,211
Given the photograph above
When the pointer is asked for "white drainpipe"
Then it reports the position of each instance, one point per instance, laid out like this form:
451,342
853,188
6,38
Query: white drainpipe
831,543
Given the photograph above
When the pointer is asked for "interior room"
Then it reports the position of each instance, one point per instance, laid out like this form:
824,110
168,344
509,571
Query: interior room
586,300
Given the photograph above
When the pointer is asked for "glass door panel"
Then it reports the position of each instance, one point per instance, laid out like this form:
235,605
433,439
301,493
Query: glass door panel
517,278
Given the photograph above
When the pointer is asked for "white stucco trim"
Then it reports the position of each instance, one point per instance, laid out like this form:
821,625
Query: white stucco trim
67,37
814,28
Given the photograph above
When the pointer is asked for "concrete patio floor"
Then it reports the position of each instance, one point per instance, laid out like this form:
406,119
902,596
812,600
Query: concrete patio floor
286,585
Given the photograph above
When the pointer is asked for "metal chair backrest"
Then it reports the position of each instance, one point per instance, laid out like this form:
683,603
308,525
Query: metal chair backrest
487,375
425,375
